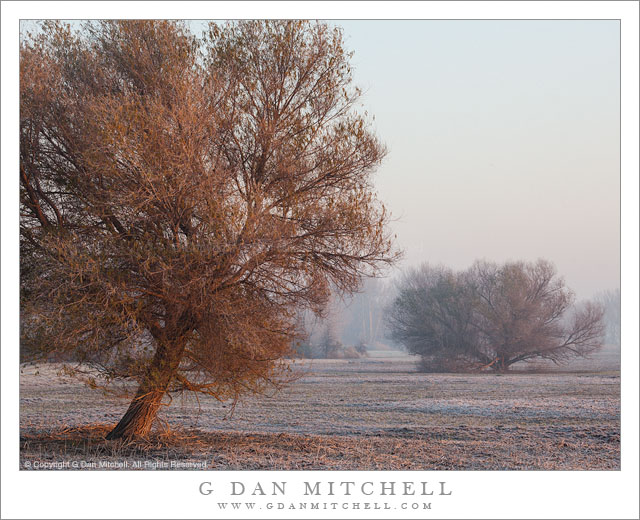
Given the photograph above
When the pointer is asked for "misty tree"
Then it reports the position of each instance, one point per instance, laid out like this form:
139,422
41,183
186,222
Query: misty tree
610,301
329,344
493,316
321,333
350,323
356,320
524,311
182,198
363,314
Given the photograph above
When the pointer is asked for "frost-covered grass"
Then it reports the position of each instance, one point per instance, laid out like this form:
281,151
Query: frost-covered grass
376,413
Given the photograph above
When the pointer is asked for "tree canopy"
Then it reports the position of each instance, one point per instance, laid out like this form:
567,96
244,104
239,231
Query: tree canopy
182,198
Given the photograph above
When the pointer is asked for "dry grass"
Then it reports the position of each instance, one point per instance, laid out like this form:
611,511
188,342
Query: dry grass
438,448
370,414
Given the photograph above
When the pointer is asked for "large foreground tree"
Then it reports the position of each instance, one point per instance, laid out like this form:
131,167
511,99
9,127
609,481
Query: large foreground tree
492,316
183,198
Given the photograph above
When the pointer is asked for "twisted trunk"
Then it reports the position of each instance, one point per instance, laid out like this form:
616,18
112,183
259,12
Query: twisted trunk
138,419
142,411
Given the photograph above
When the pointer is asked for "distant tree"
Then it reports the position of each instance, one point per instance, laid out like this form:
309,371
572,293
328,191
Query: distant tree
364,313
361,348
301,348
329,346
322,335
360,316
524,311
182,198
610,301
492,316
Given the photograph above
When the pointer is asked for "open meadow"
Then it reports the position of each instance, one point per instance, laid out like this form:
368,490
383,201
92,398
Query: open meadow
375,413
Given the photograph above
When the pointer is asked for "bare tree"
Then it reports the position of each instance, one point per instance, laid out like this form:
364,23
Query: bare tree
181,199
524,311
492,316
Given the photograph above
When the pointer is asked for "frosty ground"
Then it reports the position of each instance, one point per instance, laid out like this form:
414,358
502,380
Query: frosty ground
375,413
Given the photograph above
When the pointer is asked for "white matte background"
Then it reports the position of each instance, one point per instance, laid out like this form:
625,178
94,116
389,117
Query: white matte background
175,494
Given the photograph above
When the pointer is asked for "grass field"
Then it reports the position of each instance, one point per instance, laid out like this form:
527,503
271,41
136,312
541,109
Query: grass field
373,413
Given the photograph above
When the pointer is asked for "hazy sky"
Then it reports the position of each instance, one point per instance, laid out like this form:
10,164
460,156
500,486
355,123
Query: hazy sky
503,140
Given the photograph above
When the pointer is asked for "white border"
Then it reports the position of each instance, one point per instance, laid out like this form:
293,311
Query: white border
174,495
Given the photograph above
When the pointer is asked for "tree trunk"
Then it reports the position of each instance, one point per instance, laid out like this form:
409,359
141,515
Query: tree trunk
502,365
140,415
498,364
142,411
